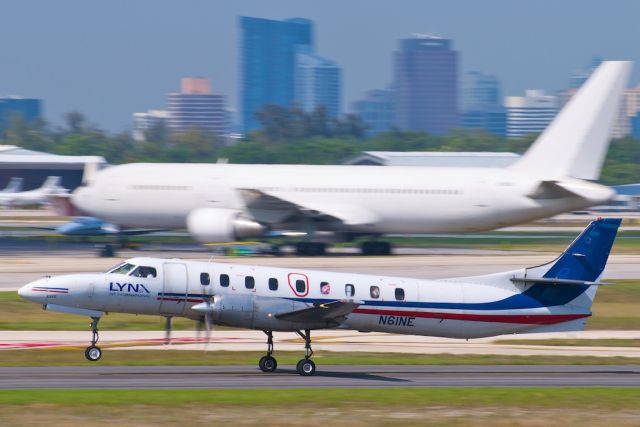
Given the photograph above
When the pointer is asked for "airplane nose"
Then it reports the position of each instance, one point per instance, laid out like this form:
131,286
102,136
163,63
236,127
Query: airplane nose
24,291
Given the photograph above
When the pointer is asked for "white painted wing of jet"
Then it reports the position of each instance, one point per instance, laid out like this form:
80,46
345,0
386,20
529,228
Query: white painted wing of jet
268,208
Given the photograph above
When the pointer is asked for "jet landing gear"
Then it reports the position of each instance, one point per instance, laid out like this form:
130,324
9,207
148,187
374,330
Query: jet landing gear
93,353
306,367
268,363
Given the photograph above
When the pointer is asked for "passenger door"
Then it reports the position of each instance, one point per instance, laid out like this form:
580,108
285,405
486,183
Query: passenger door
174,292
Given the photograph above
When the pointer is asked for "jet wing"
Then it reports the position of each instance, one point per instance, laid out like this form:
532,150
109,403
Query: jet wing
332,313
268,208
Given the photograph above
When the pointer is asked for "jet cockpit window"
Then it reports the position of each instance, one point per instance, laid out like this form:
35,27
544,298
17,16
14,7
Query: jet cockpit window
143,271
123,268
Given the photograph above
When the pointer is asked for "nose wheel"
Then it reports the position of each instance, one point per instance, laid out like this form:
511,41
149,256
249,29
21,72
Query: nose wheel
268,363
93,353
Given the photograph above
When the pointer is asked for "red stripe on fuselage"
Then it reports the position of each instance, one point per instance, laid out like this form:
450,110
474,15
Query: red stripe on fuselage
525,319
49,290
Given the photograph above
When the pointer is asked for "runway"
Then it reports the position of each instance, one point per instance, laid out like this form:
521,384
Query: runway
238,377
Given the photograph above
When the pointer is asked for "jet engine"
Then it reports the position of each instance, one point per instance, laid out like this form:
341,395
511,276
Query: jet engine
209,225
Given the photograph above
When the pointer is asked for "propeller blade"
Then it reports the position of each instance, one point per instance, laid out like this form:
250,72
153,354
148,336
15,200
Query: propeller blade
168,325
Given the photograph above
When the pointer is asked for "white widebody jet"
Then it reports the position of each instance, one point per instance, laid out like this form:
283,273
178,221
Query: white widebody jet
226,202
39,196
553,297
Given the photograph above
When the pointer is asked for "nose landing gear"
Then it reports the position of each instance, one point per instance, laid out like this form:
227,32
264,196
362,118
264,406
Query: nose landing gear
93,353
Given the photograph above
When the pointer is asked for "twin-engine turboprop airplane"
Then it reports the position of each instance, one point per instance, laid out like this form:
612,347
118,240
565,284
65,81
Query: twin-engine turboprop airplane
553,297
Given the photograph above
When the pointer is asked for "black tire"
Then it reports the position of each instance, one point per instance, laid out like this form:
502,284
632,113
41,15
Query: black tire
93,353
267,364
306,367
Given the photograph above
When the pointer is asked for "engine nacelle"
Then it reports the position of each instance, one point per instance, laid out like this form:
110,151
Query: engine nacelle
208,225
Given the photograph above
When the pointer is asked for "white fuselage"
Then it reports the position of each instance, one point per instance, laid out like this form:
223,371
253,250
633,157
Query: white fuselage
453,308
402,200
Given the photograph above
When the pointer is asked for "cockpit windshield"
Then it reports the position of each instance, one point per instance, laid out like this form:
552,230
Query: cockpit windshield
123,268
143,271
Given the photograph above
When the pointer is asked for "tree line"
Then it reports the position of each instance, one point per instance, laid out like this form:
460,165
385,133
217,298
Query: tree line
288,136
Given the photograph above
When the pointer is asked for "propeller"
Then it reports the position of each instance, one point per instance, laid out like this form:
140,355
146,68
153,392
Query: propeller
168,326
206,308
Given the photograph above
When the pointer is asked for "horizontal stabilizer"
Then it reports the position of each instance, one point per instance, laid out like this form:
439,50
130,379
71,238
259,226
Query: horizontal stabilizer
332,313
569,282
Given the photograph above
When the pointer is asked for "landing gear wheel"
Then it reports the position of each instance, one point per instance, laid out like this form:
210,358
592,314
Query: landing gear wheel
93,353
306,367
267,364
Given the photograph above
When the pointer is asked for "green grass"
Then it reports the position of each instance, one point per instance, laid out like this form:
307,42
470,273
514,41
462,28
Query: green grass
70,356
600,398
446,406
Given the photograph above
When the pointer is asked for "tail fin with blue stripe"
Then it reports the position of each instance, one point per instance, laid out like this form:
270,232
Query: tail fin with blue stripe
586,258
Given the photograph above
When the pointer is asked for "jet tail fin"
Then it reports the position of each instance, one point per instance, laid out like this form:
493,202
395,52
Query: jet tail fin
576,142
51,182
14,186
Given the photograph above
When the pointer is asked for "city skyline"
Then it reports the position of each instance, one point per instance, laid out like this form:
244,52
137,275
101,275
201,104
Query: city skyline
108,61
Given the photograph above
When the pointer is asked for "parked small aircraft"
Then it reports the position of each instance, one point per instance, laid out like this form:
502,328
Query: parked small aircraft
14,186
39,196
552,297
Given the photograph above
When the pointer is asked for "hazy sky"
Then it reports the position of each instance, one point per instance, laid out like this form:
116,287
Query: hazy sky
109,59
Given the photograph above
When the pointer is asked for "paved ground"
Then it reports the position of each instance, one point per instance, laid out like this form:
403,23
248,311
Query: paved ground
329,376
327,340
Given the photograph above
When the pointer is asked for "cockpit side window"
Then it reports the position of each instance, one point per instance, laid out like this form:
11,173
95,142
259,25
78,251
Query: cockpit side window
143,271
123,268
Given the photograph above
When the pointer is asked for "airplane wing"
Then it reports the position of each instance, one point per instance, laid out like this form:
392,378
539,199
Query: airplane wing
268,208
332,313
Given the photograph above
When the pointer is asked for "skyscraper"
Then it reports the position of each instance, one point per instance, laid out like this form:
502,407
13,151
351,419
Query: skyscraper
377,110
268,57
426,78
195,106
530,113
13,106
482,104
317,82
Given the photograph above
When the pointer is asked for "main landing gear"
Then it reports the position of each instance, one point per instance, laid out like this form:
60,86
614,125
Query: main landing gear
93,353
305,367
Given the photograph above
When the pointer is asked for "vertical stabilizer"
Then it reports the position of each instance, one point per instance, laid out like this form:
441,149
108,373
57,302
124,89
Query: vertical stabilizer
576,142
14,186
51,182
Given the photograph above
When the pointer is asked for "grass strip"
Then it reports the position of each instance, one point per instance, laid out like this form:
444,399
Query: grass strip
613,398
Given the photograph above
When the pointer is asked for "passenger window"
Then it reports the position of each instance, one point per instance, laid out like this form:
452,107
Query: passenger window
325,288
349,290
224,280
301,286
249,282
142,271
204,279
400,294
273,284
374,291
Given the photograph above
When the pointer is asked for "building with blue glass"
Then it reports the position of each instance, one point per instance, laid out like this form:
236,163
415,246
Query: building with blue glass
27,108
317,83
376,110
482,104
267,63
426,80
